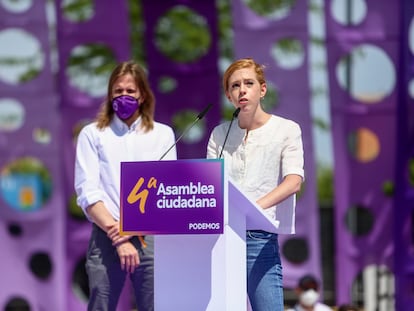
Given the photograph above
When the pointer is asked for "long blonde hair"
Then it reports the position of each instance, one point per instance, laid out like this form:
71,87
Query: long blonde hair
147,106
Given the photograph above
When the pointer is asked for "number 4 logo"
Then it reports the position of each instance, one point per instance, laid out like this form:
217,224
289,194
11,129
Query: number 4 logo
141,195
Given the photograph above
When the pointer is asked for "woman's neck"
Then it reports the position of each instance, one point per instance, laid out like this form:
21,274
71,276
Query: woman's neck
250,123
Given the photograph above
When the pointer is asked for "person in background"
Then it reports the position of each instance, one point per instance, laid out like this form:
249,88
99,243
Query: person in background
264,157
308,295
124,130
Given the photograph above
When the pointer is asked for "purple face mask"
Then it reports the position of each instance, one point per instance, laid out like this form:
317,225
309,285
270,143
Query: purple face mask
125,106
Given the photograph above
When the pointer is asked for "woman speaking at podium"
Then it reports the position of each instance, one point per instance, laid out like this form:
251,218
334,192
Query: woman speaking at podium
263,155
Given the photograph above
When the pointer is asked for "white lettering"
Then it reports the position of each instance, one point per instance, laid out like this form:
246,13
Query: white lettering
192,202
203,226
190,189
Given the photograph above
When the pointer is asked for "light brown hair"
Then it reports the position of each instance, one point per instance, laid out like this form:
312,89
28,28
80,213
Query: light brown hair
147,106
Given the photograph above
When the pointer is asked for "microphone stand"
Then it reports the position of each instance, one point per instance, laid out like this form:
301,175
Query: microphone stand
199,117
235,114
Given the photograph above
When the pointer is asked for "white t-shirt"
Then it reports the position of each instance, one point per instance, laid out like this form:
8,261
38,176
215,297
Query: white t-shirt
259,162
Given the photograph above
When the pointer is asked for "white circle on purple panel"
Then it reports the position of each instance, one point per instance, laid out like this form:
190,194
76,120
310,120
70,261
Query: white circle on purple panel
288,53
411,36
42,135
411,88
367,73
89,68
271,9
16,6
349,12
182,120
12,114
78,11
21,56
182,34
167,84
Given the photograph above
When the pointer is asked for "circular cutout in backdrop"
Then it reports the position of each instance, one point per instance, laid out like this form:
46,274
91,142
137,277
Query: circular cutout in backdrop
21,56
182,35
25,184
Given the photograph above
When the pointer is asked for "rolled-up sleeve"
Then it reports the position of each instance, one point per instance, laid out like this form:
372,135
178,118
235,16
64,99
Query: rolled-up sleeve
87,171
292,152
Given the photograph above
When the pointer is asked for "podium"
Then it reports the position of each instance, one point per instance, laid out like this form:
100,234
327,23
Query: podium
205,272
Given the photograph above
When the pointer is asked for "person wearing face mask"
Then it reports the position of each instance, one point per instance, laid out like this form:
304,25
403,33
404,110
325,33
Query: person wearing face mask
263,155
124,130
307,292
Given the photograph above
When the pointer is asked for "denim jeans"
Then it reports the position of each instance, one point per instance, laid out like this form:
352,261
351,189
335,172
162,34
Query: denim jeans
264,271
106,279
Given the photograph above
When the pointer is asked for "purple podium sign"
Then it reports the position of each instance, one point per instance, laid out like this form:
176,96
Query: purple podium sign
172,197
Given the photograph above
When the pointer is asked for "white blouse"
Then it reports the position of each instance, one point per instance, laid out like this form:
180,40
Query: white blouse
259,162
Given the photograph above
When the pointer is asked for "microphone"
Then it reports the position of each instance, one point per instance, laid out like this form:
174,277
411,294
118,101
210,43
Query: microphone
236,112
235,115
203,113
199,117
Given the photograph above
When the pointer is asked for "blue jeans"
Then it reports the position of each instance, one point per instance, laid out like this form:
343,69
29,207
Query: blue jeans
264,271
106,278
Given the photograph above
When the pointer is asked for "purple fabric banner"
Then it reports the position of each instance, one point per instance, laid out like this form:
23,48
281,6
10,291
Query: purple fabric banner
364,131
110,31
32,215
197,81
404,188
33,23
92,42
172,197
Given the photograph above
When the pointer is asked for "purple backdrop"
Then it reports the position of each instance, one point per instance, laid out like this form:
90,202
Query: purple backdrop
404,191
77,106
42,232
198,82
359,183
154,212
58,108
